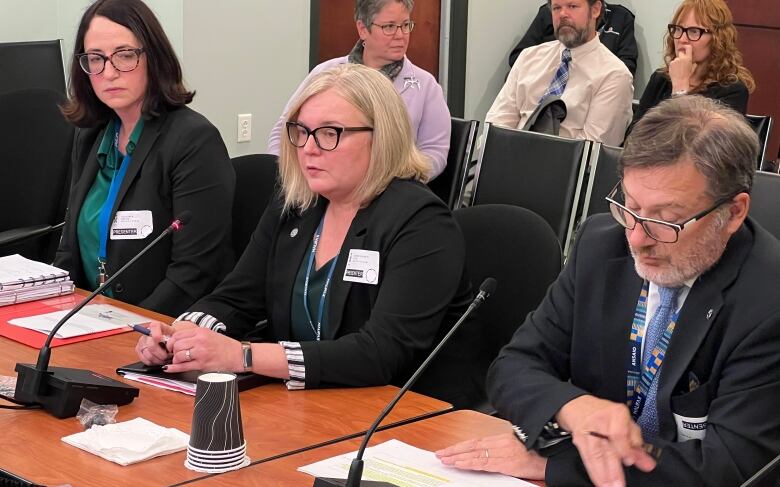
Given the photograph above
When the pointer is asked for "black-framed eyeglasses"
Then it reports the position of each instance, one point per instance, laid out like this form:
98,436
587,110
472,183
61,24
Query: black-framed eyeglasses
692,33
123,60
391,29
659,230
326,137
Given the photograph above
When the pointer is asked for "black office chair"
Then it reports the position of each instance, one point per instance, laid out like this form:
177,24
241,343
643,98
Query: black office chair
256,176
543,173
762,124
36,64
603,176
765,201
520,250
450,184
36,142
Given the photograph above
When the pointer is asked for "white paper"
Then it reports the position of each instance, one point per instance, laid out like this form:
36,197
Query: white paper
93,318
130,441
407,466
162,382
17,272
41,291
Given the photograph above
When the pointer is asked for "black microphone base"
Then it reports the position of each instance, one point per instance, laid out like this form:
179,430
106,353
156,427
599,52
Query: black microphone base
59,390
329,482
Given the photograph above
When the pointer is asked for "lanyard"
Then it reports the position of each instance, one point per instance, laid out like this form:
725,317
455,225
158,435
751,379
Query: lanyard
318,330
639,379
105,211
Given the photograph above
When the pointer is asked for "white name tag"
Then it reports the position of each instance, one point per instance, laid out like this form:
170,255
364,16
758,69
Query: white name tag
131,225
362,266
690,428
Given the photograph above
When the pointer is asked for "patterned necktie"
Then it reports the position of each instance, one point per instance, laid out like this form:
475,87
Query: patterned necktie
561,77
648,420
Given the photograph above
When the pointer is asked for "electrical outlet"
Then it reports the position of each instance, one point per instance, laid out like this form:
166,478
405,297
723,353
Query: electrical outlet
244,127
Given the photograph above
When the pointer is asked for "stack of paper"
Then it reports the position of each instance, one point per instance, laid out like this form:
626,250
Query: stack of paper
23,280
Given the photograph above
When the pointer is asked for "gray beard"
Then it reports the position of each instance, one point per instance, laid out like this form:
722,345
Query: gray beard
572,37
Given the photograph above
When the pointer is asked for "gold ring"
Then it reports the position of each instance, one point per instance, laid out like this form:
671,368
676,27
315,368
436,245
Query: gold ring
187,355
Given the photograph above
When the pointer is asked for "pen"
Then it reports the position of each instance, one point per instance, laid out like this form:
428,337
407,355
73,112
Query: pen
649,448
146,331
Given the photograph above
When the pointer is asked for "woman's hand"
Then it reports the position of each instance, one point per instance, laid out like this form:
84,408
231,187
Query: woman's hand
500,453
152,349
195,348
681,69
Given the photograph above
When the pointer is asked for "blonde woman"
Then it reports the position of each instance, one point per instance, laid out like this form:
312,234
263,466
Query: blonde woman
352,271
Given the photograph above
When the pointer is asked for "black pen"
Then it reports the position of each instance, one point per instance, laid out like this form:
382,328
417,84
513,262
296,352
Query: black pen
146,331
649,448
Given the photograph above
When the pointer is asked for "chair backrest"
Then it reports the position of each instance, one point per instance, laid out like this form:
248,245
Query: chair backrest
450,184
256,176
543,173
36,64
36,141
762,124
520,250
765,201
602,178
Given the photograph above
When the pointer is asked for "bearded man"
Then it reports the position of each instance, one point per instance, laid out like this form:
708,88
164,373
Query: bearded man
662,333
593,83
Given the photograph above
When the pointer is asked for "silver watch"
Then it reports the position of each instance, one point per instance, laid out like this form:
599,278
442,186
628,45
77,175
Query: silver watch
246,348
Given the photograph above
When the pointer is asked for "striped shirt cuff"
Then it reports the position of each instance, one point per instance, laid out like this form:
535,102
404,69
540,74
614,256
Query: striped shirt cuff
203,320
295,365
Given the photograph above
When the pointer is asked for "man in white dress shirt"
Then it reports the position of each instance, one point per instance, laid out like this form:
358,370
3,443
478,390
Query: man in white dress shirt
595,85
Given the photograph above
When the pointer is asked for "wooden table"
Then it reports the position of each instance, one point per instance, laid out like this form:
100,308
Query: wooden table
276,421
429,434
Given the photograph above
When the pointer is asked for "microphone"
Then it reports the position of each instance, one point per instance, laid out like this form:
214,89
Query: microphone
59,390
353,479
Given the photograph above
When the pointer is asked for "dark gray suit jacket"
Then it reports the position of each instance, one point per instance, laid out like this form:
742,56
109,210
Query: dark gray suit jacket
180,163
727,336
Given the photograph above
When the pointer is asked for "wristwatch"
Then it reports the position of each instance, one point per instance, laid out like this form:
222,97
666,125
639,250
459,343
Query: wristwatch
246,349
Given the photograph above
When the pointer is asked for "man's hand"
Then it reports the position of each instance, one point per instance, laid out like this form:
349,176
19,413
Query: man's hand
606,437
501,453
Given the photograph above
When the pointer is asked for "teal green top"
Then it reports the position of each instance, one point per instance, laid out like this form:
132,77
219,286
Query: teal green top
109,159
301,329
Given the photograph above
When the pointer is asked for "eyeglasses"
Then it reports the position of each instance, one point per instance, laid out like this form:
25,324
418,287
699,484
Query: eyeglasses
123,60
692,33
391,29
659,230
326,137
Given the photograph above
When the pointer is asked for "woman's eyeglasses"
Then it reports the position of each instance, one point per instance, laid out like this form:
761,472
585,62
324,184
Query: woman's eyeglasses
326,137
391,29
123,60
692,33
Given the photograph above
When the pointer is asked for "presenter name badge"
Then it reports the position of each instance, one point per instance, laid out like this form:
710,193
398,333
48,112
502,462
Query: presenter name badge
362,267
131,225
690,428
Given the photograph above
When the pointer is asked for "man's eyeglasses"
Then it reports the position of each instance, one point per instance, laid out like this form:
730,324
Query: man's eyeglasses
123,60
391,29
659,230
692,33
326,137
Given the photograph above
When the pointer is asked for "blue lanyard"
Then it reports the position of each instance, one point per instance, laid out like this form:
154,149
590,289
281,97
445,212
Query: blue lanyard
639,379
318,330
105,212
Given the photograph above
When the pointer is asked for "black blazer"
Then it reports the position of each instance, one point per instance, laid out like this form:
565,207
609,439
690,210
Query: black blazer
659,88
180,163
616,27
727,336
376,333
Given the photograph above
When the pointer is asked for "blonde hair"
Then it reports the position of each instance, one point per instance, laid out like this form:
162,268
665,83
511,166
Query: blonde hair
393,150
725,62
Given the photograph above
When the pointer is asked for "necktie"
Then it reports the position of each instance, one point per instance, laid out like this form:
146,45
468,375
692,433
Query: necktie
648,420
561,77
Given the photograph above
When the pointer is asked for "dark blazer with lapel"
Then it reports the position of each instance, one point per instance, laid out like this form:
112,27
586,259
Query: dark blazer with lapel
727,336
376,333
180,163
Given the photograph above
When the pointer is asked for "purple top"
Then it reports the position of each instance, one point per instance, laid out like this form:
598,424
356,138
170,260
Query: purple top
428,112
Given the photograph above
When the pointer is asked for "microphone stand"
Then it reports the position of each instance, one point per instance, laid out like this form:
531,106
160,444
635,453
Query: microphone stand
354,478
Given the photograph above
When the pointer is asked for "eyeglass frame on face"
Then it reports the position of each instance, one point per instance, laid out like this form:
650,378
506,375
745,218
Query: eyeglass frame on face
386,27
677,227
313,132
686,30
85,55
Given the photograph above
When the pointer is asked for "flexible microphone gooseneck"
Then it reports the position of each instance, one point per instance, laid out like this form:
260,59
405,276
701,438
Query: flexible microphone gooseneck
53,388
353,479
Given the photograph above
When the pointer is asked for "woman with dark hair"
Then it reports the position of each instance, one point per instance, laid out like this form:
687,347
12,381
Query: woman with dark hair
384,28
141,158
701,58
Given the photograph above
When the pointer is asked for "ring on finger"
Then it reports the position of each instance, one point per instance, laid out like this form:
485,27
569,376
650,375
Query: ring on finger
188,355
487,454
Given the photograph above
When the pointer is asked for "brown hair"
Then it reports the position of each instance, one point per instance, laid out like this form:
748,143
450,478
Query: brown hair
165,87
725,62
